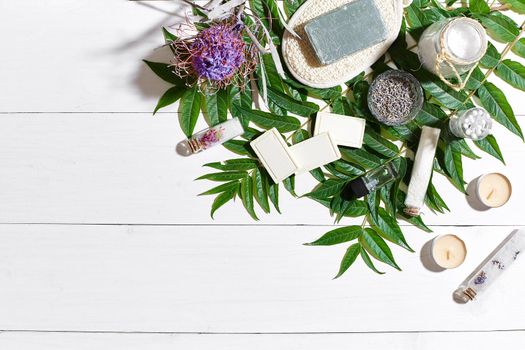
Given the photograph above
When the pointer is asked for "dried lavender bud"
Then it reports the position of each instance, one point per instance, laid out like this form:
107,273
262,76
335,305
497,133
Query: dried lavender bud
395,97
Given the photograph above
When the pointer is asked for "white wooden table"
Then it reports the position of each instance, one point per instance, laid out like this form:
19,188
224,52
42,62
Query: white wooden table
105,245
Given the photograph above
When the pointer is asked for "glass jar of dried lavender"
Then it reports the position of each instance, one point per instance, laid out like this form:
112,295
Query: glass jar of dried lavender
395,97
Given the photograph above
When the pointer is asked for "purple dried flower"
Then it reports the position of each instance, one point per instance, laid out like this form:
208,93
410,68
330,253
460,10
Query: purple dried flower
218,52
481,278
211,137
217,56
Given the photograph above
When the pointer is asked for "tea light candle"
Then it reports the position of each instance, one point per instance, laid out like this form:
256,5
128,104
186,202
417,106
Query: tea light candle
494,190
448,251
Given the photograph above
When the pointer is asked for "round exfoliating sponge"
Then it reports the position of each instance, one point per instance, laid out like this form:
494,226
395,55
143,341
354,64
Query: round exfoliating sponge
302,61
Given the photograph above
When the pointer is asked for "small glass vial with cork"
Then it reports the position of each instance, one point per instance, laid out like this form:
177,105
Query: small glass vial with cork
452,47
370,182
491,268
213,136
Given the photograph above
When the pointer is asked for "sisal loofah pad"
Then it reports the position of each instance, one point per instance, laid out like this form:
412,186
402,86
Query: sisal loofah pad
302,61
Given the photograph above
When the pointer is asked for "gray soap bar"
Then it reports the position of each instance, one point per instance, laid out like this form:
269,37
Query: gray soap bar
346,30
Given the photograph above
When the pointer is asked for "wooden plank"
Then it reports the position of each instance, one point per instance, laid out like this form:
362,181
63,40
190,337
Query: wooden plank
107,168
235,279
426,341
86,56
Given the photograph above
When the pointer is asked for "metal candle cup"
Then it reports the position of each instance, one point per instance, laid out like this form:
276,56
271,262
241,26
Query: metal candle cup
493,190
448,251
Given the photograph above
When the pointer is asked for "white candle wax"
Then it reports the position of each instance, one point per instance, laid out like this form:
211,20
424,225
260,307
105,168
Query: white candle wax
494,190
448,251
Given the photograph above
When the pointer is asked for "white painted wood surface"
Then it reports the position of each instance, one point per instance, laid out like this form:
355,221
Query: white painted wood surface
104,244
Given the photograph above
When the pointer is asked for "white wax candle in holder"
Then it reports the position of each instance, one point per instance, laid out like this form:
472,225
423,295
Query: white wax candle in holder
493,190
448,251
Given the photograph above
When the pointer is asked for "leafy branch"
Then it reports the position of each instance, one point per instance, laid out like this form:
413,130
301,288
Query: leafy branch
289,101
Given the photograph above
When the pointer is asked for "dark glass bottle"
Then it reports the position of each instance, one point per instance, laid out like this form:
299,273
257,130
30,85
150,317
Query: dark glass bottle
370,182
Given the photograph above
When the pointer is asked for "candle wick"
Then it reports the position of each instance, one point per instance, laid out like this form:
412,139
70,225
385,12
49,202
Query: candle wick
448,254
491,193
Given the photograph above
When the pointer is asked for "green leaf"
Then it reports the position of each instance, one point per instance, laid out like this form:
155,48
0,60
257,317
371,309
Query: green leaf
271,7
440,91
491,58
346,208
513,73
290,6
168,36
377,247
222,199
373,201
291,105
454,166
436,201
257,7
388,228
349,169
499,27
165,72
325,94
327,189
479,6
260,190
380,144
273,193
515,5
190,106
246,195
242,164
239,147
350,257
223,177
273,79
267,120
239,100
299,136
229,186
368,261
216,107
431,115
495,102
519,48
361,157
170,97
476,79
338,236
289,185
465,149
490,145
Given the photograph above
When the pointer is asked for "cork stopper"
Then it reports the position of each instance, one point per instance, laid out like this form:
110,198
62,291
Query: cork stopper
470,293
195,145
412,211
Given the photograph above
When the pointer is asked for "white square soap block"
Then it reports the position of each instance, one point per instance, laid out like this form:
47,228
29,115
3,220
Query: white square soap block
274,154
345,130
315,152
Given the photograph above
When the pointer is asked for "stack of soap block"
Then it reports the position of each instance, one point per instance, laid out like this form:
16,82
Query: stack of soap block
331,131
346,30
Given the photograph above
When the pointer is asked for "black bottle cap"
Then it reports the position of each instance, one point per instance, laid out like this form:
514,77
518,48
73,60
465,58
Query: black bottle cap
355,189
